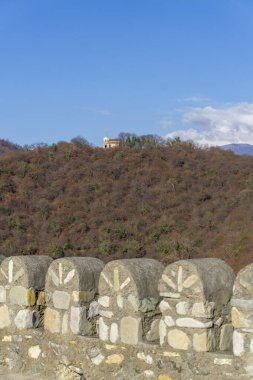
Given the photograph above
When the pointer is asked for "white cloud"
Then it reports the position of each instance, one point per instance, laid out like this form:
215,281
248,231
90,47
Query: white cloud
218,126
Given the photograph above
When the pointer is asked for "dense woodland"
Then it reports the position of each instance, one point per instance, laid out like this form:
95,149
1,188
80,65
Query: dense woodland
169,203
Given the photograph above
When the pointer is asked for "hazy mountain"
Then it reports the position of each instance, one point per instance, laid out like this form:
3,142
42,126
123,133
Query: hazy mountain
240,149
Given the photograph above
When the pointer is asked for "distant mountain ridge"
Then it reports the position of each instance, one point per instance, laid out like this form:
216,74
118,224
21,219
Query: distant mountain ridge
240,149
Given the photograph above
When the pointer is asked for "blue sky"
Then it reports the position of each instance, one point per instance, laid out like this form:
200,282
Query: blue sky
96,67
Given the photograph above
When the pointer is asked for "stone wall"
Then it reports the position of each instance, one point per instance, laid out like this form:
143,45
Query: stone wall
74,318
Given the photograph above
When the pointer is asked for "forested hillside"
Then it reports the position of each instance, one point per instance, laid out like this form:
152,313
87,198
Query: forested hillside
164,202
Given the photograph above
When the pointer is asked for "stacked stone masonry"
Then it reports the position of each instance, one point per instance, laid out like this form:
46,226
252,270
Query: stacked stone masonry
71,295
130,319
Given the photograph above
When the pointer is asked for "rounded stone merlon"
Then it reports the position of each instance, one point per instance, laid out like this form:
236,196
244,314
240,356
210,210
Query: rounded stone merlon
77,274
138,277
206,279
26,271
243,286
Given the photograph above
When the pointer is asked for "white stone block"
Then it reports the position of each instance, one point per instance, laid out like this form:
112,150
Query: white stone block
65,323
200,342
104,301
238,343
120,301
79,324
183,307
106,313
153,333
226,338
61,300
193,323
4,317
178,340
169,321
133,302
149,373
34,352
2,294
114,333
164,306
24,319
162,332
52,320
146,358
200,310
130,330
94,309
103,330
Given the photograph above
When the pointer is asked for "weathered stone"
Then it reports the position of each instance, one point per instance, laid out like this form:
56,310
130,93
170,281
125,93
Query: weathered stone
238,343
193,323
205,279
106,313
202,342
41,301
25,319
201,310
223,361
103,330
104,301
114,359
170,295
149,373
226,338
21,296
7,338
114,333
146,358
219,322
241,319
80,297
178,339
241,303
153,333
95,355
169,321
120,301
78,322
65,323
162,332
164,377
61,300
2,294
97,360
34,352
25,271
4,317
183,307
52,320
94,309
64,372
164,306
133,302
190,281
130,330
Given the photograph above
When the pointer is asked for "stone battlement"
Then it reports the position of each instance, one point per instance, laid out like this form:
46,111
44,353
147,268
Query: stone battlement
128,319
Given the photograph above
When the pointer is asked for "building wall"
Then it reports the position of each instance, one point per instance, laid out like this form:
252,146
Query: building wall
130,319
